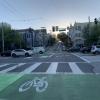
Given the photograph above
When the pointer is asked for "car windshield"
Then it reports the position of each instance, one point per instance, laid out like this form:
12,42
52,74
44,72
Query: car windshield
18,50
49,50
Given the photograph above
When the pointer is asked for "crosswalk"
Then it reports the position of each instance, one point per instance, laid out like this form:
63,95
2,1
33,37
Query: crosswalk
52,68
47,68
75,69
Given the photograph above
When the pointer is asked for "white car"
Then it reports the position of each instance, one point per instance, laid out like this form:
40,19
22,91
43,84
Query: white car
95,49
39,50
21,52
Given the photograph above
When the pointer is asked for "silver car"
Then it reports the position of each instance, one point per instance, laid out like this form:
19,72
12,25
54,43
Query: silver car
21,52
95,49
39,50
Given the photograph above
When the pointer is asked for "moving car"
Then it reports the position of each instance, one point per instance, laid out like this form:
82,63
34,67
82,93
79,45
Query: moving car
6,53
21,52
85,49
39,50
95,49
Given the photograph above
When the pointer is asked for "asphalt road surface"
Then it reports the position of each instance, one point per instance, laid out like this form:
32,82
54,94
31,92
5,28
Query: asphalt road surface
47,63
54,75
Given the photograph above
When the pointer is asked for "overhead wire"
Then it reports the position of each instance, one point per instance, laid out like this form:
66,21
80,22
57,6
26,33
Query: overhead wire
12,10
4,5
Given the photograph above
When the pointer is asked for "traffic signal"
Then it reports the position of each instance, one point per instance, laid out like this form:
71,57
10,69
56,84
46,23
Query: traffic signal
96,21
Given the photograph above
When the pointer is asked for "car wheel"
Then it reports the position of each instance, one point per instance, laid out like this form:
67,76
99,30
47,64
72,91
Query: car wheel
13,55
26,54
2,55
85,51
41,52
96,52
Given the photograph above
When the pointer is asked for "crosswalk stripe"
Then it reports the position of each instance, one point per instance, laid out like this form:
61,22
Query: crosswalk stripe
52,68
3,65
75,69
31,68
11,68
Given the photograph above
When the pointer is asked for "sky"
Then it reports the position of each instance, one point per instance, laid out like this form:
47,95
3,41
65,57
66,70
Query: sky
46,13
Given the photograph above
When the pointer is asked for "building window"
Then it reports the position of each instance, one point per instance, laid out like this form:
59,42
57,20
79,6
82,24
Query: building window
27,35
76,35
79,28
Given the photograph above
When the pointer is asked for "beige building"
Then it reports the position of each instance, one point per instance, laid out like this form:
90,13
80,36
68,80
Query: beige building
75,32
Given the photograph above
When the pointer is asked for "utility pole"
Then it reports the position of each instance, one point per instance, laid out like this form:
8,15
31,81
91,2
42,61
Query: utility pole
20,44
89,24
2,38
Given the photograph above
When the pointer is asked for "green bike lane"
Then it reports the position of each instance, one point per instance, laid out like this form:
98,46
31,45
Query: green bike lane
60,87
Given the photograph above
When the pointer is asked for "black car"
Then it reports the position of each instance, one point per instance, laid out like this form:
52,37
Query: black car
85,49
6,53
73,49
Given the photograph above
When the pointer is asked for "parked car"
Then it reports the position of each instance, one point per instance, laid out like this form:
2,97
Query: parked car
85,49
6,53
21,52
39,50
95,49
73,49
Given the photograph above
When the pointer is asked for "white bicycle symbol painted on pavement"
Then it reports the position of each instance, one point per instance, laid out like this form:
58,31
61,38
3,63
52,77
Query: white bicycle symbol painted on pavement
39,84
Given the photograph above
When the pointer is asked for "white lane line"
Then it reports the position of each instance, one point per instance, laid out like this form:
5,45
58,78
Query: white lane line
52,68
75,69
44,57
31,68
27,57
3,65
5,57
51,62
49,56
81,58
11,68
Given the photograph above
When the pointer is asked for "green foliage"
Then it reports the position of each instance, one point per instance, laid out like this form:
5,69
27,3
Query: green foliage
92,34
11,37
65,39
51,40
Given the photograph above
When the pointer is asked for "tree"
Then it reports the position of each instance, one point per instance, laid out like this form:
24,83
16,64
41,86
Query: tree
12,39
86,34
91,35
6,29
51,40
65,39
